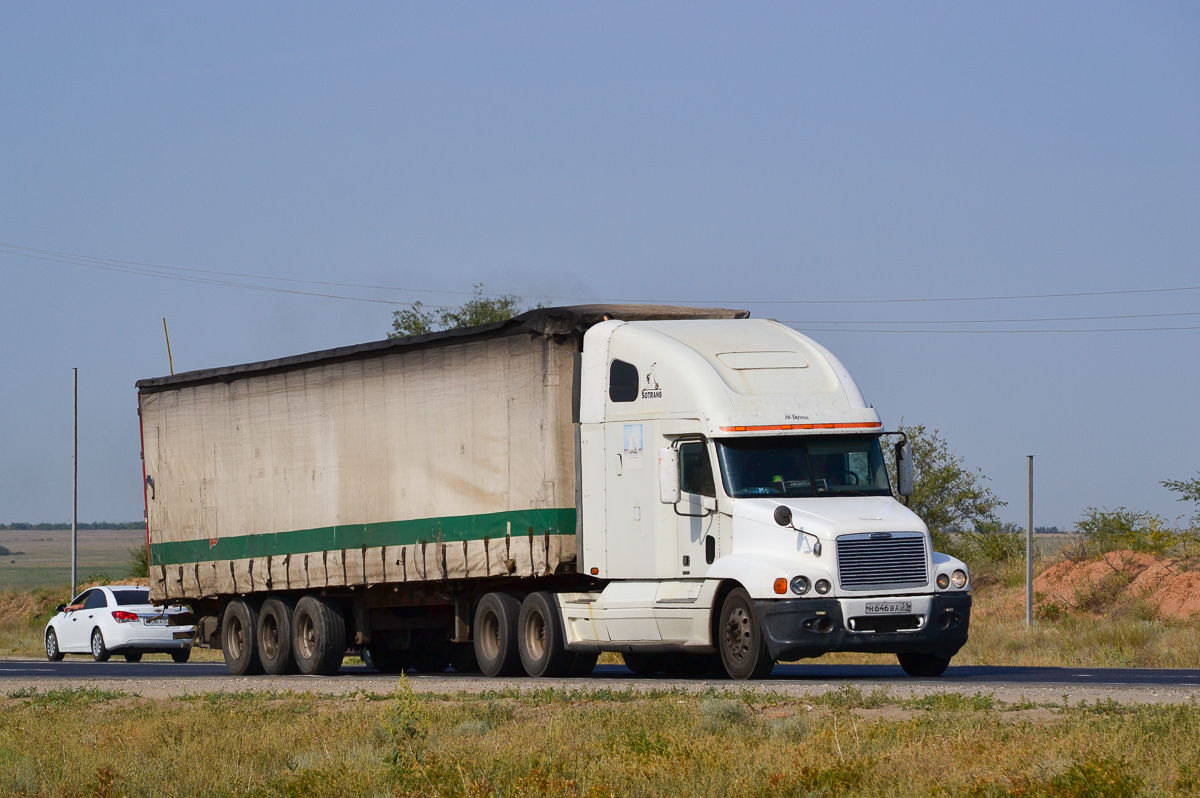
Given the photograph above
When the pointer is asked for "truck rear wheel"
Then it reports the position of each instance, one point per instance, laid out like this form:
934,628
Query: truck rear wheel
239,630
643,664
430,652
541,639
462,658
275,636
582,664
923,665
740,638
386,660
318,636
496,635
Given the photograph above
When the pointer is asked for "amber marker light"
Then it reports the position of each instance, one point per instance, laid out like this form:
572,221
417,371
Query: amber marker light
595,571
781,585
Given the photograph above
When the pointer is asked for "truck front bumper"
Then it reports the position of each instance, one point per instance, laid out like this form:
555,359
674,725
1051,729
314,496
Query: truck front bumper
799,628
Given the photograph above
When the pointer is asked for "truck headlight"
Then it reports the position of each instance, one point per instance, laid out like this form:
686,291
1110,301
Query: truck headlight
822,586
943,581
800,585
959,578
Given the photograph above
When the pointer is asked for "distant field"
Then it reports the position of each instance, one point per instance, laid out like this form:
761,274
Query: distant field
45,560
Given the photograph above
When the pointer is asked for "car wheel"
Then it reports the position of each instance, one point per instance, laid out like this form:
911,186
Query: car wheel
318,636
275,636
133,656
99,652
239,629
181,656
540,637
495,633
923,665
740,638
53,652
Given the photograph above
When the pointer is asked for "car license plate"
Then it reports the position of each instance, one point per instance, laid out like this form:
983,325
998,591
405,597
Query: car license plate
889,607
155,621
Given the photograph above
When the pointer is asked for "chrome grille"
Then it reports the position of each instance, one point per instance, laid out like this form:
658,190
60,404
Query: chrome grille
882,559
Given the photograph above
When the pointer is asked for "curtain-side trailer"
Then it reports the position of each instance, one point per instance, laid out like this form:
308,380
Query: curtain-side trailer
689,487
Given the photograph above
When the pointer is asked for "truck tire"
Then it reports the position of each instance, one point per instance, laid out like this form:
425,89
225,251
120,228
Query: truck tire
923,665
386,660
318,636
275,636
495,632
430,652
582,664
643,664
463,659
540,637
740,638
239,631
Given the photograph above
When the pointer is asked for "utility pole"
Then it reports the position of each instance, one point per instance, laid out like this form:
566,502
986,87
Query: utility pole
75,485
1029,550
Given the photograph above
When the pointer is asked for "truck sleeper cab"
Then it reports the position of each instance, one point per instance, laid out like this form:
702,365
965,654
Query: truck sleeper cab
694,489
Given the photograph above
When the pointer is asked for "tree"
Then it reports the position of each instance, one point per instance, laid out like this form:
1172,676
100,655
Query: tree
1189,491
947,495
416,319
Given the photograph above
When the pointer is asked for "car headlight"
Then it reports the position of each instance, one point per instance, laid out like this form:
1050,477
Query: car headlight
959,578
943,581
822,586
800,585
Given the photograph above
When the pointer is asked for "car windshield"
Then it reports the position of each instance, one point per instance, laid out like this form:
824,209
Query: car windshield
794,466
126,597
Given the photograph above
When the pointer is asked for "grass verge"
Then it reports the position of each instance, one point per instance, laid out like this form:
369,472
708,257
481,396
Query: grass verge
581,743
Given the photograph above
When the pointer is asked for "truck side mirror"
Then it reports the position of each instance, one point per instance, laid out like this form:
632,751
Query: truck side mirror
668,475
904,469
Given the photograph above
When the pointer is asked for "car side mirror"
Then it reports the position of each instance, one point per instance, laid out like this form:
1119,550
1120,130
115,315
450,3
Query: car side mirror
668,476
904,469
60,608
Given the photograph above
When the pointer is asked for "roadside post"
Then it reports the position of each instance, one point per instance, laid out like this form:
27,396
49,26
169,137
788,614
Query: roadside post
75,482
1029,549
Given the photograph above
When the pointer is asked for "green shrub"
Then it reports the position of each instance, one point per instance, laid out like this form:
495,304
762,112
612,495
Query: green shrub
1102,531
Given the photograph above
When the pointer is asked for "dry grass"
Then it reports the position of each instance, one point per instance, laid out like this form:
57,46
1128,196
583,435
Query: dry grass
590,744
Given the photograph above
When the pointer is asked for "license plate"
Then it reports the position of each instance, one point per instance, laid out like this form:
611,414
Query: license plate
155,622
889,607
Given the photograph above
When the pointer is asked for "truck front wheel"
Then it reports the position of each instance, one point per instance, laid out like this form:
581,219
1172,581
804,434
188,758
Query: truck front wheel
542,644
495,633
318,636
740,639
923,665
239,631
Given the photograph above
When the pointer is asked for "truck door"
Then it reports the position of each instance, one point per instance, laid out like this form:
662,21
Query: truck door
636,545
697,528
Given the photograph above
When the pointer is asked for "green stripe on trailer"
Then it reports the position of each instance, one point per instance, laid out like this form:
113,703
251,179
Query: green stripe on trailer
558,521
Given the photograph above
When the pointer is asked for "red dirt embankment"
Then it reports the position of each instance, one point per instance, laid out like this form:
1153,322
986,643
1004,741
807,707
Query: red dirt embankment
1166,584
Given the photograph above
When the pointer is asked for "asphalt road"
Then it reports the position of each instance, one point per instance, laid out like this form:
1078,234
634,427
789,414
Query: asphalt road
160,679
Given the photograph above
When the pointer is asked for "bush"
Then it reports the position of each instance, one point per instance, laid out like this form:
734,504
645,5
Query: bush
139,561
1102,531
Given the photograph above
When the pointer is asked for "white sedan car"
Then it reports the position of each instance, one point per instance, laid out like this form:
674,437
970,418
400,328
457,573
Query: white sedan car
117,619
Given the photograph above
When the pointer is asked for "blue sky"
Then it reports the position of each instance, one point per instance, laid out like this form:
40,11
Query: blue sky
748,156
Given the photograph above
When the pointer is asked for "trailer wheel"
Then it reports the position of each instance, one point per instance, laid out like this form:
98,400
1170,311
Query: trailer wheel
275,636
495,633
239,629
318,636
540,636
923,665
740,638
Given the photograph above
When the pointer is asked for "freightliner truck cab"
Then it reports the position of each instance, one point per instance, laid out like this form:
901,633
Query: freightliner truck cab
736,504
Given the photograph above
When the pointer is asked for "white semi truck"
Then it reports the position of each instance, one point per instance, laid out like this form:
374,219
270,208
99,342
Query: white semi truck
692,488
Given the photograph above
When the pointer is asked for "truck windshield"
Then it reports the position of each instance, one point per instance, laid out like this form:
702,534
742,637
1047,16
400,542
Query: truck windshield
794,466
